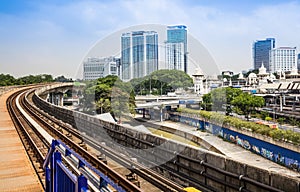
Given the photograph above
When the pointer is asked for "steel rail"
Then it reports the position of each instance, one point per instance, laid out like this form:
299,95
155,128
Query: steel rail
101,166
26,138
146,173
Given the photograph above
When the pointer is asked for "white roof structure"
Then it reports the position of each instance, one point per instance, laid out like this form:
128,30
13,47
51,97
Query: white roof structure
241,76
198,72
281,86
252,75
262,70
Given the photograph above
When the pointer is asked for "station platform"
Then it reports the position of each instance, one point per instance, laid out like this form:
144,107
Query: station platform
16,171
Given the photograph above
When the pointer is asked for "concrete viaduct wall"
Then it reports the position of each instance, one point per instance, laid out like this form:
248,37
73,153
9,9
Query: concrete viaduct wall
188,166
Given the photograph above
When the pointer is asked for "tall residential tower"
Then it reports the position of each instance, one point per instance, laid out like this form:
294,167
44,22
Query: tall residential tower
139,54
261,52
176,48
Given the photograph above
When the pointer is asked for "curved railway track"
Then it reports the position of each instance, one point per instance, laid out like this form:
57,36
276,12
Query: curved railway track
85,142
37,145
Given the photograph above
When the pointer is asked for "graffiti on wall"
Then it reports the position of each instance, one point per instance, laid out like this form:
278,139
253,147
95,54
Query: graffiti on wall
271,155
253,144
235,139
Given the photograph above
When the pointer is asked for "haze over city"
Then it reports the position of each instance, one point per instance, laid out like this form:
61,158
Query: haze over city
54,37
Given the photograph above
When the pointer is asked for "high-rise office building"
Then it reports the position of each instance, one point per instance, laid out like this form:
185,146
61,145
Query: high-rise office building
94,68
261,52
176,48
139,54
283,59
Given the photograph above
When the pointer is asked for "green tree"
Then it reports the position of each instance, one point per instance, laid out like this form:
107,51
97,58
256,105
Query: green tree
231,93
87,103
108,94
6,80
62,79
246,103
161,82
207,101
220,99
102,105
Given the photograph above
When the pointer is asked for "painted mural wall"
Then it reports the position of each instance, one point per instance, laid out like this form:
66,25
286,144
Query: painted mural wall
280,155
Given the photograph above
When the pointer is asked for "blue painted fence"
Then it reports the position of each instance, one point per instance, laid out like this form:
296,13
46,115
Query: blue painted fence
59,178
283,156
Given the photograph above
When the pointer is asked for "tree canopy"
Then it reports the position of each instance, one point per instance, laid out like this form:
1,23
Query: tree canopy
7,80
162,81
63,79
220,99
246,103
108,94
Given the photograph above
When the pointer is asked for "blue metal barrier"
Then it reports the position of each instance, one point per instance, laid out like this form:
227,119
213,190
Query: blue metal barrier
58,177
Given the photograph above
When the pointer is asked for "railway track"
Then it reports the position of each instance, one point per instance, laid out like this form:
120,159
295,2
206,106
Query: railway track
86,142
59,130
36,147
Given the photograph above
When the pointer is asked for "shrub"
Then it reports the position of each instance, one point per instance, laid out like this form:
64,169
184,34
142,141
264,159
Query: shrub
277,134
281,120
219,118
268,118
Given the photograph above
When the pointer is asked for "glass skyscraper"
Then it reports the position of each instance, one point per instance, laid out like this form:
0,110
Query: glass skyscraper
261,52
176,47
139,54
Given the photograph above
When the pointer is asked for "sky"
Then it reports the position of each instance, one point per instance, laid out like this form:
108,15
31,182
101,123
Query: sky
53,36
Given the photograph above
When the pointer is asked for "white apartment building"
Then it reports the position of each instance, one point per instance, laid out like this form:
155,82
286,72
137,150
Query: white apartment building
282,59
94,68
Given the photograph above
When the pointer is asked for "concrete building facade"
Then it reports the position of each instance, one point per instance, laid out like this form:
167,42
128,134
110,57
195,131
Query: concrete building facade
282,59
94,68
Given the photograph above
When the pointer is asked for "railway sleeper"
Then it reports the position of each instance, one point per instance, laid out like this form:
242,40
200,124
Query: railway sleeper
133,178
83,145
60,129
102,158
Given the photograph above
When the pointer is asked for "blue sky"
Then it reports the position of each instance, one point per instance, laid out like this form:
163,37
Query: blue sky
53,36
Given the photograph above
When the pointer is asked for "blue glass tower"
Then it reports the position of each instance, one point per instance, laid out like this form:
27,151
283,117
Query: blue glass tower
176,47
261,52
139,55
